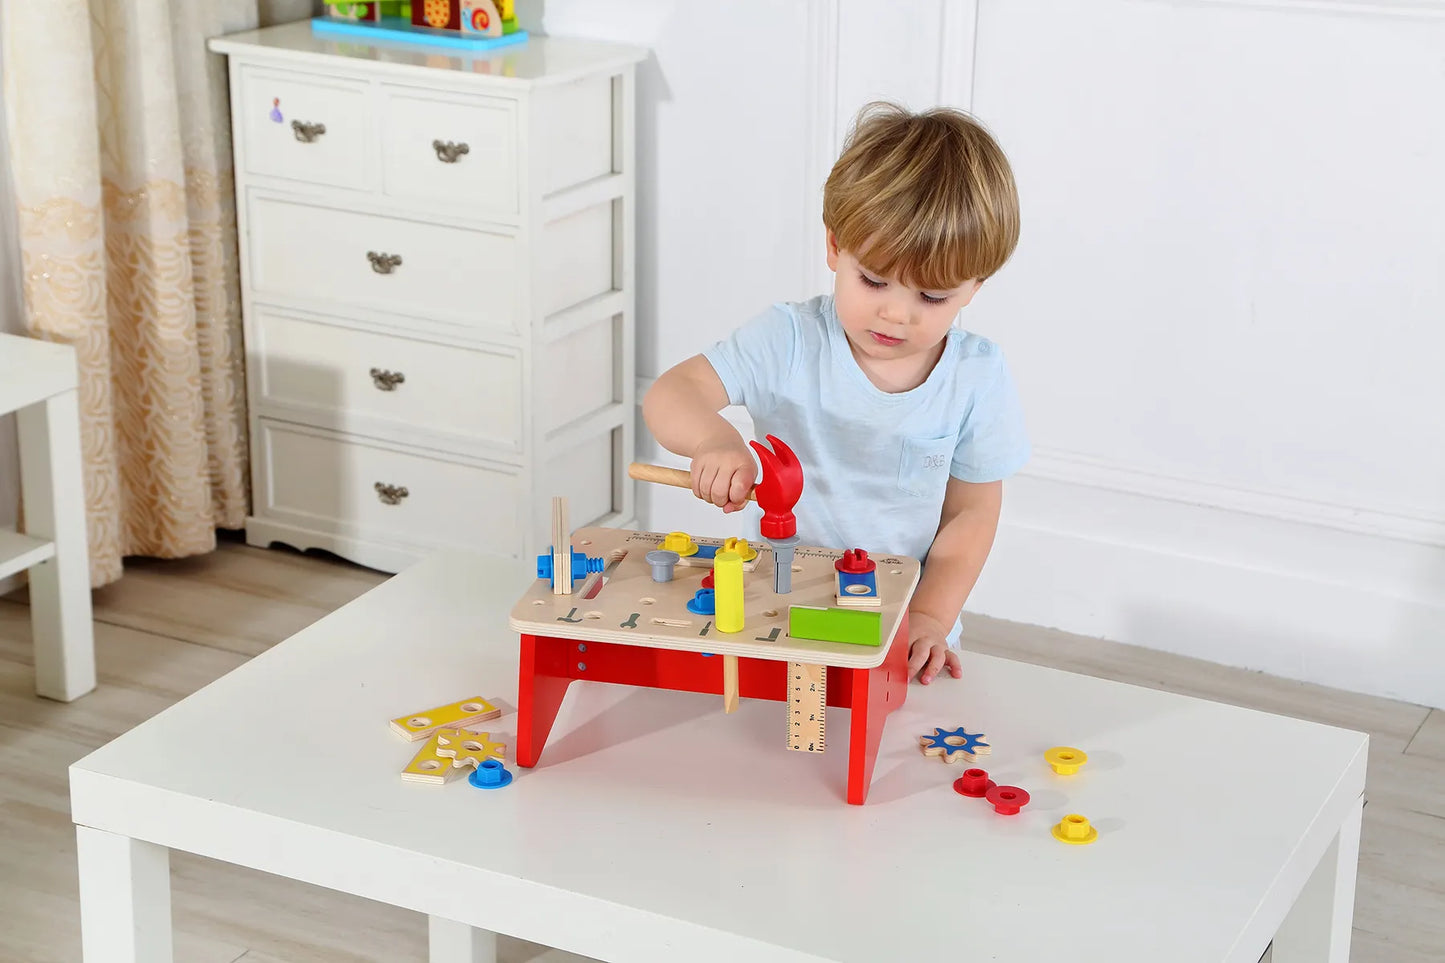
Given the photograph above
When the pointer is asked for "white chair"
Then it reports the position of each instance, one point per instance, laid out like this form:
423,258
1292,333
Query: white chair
38,383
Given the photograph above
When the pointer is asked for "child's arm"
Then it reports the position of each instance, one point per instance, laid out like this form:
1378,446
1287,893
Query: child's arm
681,410
965,535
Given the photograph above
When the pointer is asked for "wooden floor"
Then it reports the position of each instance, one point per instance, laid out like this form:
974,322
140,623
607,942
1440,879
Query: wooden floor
169,628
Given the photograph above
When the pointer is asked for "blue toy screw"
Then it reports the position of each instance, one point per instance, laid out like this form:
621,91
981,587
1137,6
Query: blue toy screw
491,774
702,603
581,565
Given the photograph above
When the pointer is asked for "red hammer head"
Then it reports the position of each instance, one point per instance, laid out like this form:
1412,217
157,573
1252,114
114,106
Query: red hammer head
780,488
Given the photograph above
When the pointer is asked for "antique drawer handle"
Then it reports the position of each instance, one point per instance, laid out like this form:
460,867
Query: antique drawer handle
447,152
307,132
386,380
383,263
391,494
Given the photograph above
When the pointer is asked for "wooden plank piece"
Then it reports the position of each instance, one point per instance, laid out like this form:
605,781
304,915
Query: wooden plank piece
730,683
561,549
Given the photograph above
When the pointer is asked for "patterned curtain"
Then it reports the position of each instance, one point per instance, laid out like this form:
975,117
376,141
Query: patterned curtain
121,151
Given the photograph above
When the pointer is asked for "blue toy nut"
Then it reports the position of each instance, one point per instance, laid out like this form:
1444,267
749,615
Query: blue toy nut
662,563
702,603
491,774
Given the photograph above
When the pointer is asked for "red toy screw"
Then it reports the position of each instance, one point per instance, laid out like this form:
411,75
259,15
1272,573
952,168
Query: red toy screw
855,561
1007,800
973,782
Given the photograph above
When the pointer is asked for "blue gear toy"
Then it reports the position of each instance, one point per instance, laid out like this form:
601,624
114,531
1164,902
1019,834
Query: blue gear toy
954,745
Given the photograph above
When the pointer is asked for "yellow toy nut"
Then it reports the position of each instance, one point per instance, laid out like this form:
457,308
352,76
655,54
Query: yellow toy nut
739,545
1066,760
1075,830
727,580
679,542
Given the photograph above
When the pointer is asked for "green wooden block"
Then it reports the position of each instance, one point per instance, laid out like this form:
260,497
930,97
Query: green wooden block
856,626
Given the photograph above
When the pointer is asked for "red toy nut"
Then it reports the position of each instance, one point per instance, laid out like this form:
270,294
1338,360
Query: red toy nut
707,580
1007,800
973,782
855,561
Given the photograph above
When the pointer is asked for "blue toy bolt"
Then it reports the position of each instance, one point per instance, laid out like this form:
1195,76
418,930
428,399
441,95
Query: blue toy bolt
581,565
490,774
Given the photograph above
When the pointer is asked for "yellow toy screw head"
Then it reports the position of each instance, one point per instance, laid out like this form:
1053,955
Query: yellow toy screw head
740,545
1066,760
679,542
1075,830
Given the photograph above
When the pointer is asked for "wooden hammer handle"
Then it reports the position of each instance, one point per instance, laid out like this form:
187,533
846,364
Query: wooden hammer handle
675,477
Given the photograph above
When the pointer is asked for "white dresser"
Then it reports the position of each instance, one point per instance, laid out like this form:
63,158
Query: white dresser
437,281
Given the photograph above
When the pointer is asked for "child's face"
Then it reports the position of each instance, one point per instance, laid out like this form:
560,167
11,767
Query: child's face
886,320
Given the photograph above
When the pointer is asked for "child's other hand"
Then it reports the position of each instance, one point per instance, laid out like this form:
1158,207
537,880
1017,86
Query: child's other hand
723,471
928,649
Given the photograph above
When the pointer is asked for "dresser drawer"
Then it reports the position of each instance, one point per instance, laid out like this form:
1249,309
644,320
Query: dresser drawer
348,377
329,482
452,149
274,104
326,256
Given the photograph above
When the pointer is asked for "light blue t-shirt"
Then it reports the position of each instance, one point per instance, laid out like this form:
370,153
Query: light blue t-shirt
875,464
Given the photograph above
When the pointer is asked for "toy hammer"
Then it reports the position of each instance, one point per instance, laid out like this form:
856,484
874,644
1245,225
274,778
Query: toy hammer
776,494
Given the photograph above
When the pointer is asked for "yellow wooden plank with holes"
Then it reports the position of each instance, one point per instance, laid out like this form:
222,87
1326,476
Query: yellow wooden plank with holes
427,766
469,748
457,715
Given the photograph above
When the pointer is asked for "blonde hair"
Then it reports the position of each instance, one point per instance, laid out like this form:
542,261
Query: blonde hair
926,198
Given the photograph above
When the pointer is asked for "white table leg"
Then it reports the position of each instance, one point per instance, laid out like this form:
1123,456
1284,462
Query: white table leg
453,942
54,492
125,898
1317,929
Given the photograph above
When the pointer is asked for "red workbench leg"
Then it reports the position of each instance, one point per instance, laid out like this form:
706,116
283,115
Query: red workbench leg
876,693
540,690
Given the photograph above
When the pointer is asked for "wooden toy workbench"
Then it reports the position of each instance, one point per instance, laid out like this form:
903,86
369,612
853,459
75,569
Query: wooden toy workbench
620,626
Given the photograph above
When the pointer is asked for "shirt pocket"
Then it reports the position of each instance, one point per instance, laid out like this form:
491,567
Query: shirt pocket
923,467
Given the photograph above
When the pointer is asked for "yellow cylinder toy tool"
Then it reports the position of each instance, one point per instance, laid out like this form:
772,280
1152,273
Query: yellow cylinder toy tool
727,568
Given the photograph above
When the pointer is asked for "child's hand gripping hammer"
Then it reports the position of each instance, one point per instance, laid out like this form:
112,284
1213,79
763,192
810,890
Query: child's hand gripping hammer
776,494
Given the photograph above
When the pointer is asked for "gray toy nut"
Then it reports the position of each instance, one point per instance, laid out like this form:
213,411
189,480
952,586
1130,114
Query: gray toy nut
662,563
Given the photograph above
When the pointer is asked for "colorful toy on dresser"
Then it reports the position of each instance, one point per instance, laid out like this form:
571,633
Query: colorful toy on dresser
469,24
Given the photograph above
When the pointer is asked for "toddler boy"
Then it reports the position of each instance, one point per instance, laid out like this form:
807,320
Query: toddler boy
905,425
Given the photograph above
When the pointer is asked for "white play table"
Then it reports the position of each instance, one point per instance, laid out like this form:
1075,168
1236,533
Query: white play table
656,828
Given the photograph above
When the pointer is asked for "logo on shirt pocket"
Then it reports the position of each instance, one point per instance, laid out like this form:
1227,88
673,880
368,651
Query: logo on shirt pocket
923,468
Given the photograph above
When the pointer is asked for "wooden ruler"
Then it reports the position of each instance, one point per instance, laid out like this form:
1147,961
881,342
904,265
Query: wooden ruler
807,699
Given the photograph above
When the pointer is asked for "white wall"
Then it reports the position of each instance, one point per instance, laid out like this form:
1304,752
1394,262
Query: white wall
1225,311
